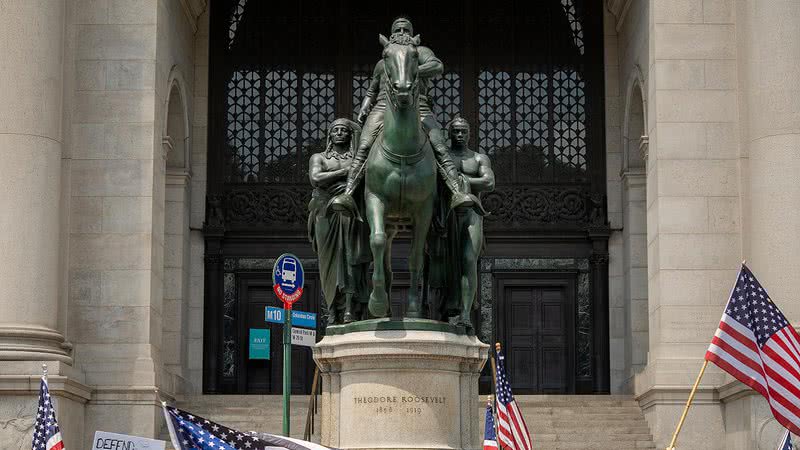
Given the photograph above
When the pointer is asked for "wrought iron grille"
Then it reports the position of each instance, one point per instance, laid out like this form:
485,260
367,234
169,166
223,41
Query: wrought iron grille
526,76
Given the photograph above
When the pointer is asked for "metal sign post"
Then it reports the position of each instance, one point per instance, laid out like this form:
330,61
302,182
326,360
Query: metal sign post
288,280
287,367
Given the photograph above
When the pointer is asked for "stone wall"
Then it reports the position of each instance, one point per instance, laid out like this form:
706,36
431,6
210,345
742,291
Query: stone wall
694,235
616,300
198,205
626,43
128,58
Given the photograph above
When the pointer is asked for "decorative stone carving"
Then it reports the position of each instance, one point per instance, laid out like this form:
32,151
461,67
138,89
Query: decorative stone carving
274,205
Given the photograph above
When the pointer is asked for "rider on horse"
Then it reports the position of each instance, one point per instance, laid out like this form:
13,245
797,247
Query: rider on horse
373,108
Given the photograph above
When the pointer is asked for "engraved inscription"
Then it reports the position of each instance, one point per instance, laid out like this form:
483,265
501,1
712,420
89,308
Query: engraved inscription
398,404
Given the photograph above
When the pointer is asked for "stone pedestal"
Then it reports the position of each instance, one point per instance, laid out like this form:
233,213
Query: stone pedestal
400,389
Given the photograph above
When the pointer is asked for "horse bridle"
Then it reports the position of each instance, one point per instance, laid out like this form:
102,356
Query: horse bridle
391,92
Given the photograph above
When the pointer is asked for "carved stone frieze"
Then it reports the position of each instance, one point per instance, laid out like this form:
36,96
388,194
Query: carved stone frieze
273,205
517,206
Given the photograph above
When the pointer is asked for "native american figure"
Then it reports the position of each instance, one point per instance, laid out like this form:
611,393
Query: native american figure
341,242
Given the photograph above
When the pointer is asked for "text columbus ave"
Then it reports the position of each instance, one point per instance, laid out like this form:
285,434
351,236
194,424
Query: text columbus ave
400,399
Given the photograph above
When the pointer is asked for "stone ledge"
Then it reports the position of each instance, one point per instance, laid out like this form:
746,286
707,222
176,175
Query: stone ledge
677,395
395,325
735,390
130,395
59,385
395,345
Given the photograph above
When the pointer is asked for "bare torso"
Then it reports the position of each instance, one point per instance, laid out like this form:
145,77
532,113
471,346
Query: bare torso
475,167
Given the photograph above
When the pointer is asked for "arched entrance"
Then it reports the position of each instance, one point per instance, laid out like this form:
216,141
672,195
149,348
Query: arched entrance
634,232
177,204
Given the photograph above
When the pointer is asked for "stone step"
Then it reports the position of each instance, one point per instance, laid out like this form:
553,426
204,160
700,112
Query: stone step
593,445
598,420
585,422
577,400
578,417
590,437
579,408
565,429
555,421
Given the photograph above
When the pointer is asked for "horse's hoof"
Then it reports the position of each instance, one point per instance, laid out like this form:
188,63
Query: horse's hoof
378,306
348,318
413,311
464,321
414,314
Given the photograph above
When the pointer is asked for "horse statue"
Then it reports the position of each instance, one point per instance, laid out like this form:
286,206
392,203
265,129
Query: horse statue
400,178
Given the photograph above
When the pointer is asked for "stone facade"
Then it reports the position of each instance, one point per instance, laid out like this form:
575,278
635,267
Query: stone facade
103,117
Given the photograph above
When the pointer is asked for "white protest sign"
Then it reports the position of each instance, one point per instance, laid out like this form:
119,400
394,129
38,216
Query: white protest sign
304,337
112,441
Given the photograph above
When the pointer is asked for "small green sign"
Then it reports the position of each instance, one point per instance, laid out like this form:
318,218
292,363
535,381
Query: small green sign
259,343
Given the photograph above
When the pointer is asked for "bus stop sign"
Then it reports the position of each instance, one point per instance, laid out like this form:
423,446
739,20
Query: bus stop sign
287,279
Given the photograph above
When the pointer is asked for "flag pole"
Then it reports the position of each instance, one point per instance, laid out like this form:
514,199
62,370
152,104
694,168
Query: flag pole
494,389
311,400
44,372
494,367
686,408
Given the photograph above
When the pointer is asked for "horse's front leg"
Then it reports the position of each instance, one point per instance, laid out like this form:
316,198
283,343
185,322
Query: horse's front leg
421,224
378,300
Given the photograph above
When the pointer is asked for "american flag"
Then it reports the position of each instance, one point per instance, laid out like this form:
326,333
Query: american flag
489,436
786,442
46,434
190,432
511,429
757,345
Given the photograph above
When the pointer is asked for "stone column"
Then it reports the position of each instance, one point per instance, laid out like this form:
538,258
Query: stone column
769,79
31,73
770,73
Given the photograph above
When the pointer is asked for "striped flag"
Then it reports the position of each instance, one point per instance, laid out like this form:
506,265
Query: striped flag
512,432
190,432
46,434
757,345
786,441
489,436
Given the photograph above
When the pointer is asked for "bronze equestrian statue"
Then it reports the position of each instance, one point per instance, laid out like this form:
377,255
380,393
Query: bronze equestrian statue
399,155
373,108
400,179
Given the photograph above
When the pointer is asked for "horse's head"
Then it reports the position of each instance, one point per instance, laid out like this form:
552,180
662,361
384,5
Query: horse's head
401,64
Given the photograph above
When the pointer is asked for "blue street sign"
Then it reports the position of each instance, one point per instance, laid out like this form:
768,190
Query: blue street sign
304,319
259,343
274,315
287,278
299,318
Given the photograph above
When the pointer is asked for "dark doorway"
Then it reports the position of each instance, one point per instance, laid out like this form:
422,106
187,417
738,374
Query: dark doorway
538,324
264,376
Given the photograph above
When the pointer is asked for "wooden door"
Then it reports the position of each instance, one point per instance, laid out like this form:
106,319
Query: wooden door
538,328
